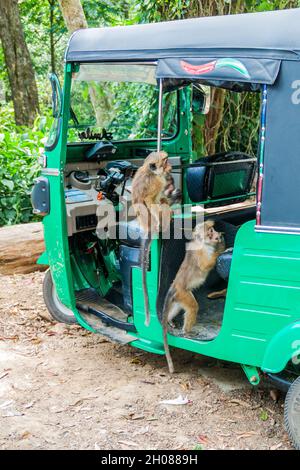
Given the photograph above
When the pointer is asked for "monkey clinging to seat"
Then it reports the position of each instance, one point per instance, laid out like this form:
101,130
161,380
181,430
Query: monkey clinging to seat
152,194
201,256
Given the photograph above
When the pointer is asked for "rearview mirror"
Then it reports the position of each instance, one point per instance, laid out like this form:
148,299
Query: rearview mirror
56,95
201,99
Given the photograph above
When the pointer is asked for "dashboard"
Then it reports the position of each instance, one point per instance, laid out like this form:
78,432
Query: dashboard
89,185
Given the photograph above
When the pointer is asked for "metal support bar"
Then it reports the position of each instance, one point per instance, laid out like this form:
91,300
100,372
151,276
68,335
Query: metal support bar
262,154
160,115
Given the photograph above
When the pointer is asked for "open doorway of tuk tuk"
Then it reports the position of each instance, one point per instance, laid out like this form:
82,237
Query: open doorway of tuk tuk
221,183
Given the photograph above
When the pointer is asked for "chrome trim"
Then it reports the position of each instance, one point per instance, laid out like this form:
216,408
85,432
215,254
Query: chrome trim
50,172
282,230
43,160
160,115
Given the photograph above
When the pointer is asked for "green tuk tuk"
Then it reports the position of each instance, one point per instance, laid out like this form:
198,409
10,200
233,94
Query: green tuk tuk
129,91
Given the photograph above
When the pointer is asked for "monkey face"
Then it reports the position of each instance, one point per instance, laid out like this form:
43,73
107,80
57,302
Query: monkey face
158,163
205,233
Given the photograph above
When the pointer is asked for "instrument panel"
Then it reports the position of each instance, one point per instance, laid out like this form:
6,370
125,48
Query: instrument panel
82,182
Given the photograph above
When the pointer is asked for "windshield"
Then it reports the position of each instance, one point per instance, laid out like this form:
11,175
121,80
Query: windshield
118,102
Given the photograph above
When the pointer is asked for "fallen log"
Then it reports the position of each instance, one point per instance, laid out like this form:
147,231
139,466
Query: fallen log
20,247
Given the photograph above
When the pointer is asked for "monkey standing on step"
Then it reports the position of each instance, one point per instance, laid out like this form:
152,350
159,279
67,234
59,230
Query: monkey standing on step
201,256
152,205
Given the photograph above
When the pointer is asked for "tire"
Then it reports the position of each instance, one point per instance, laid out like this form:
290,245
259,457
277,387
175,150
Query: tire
57,310
292,413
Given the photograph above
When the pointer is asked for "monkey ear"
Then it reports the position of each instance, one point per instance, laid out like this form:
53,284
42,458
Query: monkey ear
152,166
208,224
198,233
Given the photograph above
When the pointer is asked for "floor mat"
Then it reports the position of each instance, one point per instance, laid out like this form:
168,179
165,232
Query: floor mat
209,320
89,297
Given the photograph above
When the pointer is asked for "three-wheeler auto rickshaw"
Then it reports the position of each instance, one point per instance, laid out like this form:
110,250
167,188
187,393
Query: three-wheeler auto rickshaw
129,91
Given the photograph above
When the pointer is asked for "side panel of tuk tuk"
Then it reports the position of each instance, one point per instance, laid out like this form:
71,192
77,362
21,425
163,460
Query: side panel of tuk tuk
261,322
262,312
55,225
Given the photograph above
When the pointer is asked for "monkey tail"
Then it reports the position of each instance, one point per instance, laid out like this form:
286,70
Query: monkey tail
167,306
145,267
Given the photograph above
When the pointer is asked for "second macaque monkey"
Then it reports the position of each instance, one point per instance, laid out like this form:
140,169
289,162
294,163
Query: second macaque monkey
201,256
152,205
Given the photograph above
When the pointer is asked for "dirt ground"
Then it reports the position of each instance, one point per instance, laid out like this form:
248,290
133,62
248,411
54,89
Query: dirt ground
62,387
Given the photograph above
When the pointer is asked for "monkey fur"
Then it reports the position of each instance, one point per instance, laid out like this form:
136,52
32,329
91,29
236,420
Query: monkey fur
201,256
152,205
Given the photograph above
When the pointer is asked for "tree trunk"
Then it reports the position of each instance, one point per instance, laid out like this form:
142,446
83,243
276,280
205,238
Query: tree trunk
73,14
20,247
18,63
214,118
195,9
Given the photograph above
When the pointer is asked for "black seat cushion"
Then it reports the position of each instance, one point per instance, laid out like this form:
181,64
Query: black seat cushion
224,264
222,176
195,180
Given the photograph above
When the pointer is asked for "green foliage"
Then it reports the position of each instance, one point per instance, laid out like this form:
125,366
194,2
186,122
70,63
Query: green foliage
240,123
239,128
128,110
264,416
19,151
37,27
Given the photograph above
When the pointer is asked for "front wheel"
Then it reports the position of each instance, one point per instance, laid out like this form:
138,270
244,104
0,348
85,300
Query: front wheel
57,310
292,413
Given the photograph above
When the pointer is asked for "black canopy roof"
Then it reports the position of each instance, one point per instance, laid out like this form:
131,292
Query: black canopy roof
253,35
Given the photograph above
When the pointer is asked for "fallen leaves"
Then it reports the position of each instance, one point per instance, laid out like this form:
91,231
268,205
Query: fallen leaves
236,401
202,439
126,404
81,400
134,417
136,360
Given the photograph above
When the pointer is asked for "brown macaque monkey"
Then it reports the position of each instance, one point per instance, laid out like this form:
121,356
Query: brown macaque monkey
201,256
151,205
